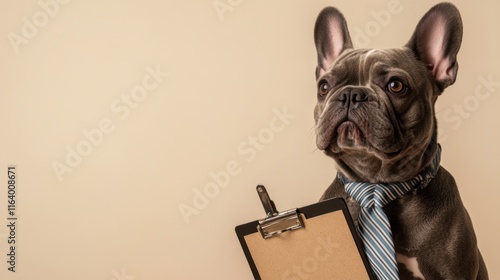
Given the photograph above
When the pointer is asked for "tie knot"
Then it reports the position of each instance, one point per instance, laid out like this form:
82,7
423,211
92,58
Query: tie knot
369,195
379,194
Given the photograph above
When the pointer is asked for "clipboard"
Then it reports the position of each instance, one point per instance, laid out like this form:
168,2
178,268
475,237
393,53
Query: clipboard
317,242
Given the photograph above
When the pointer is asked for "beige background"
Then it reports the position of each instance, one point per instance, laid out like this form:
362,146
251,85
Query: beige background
116,215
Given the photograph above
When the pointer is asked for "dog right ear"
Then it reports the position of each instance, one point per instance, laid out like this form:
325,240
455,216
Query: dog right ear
331,37
436,42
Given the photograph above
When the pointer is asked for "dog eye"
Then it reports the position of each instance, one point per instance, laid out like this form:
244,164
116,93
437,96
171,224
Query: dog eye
324,88
396,86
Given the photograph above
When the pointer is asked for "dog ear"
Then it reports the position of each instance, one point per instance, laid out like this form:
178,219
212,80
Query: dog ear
436,42
331,37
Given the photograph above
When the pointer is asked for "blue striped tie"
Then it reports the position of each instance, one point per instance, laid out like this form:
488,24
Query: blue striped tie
373,225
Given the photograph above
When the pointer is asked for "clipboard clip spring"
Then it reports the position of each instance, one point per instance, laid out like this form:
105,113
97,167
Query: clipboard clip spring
276,222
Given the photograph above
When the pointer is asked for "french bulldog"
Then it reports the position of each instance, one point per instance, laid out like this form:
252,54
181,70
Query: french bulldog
375,117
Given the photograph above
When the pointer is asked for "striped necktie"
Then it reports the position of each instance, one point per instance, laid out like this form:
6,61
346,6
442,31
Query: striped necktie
373,225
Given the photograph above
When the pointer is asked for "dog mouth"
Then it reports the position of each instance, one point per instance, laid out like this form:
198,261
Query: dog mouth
341,135
347,135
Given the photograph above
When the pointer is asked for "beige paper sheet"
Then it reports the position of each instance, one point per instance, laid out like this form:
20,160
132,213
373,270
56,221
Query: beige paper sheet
323,250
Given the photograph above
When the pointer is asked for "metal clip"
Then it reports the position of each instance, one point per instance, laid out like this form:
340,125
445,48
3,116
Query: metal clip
276,222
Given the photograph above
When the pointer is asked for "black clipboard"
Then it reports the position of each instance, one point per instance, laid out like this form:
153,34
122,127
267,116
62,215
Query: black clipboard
318,241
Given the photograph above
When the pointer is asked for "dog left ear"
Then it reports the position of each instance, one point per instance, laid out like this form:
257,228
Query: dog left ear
436,42
331,38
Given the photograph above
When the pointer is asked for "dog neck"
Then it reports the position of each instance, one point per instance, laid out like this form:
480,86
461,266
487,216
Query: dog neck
365,167
423,177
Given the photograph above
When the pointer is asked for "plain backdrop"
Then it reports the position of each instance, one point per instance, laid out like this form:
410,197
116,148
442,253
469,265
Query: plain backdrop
79,77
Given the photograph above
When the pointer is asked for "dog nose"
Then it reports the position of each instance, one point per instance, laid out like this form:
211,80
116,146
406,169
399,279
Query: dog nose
352,96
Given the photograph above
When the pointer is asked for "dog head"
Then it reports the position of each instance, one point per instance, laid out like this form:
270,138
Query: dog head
375,107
